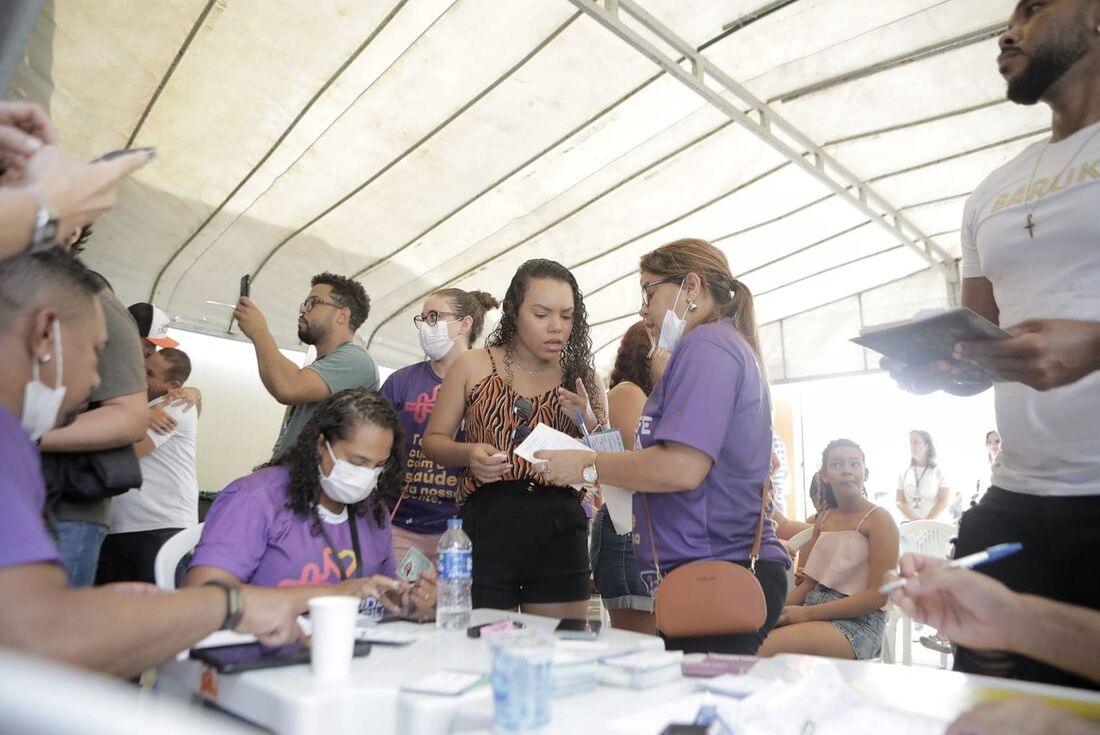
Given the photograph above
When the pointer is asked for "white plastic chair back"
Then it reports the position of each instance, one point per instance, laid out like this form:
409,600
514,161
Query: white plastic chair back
794,543
930,538
168,558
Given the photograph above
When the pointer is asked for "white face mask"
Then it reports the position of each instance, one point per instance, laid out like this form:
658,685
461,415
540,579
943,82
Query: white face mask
42,404
349,483
672,326
435,341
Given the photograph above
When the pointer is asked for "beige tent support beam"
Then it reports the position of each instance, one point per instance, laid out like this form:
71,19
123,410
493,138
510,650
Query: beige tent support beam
726,95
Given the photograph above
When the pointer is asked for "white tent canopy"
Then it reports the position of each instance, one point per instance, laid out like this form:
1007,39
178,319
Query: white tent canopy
419,144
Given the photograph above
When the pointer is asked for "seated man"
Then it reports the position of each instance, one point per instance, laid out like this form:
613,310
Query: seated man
52,329
167,501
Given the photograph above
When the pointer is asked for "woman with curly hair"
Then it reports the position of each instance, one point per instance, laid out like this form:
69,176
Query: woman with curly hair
529,536
315,515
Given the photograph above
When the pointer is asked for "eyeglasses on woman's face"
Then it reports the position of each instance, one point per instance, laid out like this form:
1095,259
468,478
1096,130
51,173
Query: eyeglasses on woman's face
647,288
431,318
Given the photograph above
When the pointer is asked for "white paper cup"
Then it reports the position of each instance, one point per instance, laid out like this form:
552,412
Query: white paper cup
333,637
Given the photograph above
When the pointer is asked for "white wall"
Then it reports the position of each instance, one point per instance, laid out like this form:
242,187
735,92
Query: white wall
240,420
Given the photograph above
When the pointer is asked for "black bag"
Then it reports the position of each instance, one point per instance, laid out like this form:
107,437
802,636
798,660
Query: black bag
84,477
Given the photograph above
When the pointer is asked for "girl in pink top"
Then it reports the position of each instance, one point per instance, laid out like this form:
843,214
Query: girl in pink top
837,610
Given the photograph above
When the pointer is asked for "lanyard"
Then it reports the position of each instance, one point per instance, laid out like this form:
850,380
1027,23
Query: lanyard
916,494
354,531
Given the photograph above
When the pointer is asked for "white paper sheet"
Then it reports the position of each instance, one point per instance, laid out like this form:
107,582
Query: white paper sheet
545,437
620,506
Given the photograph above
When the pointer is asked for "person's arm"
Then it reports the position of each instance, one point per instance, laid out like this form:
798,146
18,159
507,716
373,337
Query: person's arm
882,536
1042,353
903,505
287,383
144,446
17,211
624,407
486,462
123,632
977,611
115,423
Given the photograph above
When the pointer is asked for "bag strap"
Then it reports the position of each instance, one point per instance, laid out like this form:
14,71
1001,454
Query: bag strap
753,555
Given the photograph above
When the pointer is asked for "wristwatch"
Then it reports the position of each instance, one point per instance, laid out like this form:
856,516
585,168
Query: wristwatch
234,603
45,223
590,475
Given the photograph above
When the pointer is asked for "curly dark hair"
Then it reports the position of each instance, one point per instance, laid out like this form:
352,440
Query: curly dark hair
336,419
632,359
473,304
576,355
349,294
828,498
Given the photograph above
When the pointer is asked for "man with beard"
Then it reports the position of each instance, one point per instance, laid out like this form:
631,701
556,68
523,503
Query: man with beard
328,319
52,332
1032,264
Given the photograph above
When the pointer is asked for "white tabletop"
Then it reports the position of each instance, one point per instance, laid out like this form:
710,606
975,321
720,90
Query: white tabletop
289,701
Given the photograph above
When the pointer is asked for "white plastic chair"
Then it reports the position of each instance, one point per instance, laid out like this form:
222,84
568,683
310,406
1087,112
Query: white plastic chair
168,558
794,543
929,538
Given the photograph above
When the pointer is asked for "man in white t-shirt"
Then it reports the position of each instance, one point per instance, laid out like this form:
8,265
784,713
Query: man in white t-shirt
167,502
1031,262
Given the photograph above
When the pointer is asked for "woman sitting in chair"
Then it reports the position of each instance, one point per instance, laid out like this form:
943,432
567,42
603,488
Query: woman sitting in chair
315,515
837,610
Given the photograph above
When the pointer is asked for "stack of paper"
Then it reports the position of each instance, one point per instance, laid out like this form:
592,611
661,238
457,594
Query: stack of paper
573,674
641,670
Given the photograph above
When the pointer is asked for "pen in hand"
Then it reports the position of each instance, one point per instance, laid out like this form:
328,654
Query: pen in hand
993,553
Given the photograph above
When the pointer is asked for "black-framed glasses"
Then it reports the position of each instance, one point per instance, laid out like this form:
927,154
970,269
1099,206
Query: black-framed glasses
431,318
523,410
646,295
310,302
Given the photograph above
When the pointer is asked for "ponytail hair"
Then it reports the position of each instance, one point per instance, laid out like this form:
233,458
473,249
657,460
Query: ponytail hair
473,304
733,299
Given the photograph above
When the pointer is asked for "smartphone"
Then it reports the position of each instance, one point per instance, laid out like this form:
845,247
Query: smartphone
476,631
578,629
249,656
246,284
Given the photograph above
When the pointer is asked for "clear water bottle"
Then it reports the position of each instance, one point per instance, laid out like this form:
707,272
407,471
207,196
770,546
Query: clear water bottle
455,578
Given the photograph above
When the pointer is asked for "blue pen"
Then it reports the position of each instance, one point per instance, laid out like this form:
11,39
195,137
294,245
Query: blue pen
993,553
580,420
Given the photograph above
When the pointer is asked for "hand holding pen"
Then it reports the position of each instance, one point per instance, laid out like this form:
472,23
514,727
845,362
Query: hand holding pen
964,606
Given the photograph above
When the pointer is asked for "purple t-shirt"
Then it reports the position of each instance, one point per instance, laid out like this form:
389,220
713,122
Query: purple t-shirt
712,398
250,533
23,535
430,489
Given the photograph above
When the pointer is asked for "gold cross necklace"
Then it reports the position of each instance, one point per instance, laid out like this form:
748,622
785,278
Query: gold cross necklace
1030,211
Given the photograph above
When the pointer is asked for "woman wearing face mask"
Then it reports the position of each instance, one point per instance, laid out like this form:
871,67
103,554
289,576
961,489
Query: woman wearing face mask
449,323
315,515
705,434
529,536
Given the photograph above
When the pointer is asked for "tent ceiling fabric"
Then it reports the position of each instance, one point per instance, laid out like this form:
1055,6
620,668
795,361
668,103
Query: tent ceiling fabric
418,144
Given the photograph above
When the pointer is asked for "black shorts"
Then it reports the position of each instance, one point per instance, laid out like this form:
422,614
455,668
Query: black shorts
530,544
1061,547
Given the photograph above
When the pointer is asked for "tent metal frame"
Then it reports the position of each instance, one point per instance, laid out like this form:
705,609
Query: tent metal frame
699,74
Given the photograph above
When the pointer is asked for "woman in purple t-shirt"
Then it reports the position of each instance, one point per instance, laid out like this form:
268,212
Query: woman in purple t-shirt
705,434
316,514
449,323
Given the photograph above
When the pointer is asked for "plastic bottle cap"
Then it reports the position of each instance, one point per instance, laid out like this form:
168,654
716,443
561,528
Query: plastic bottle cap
454,523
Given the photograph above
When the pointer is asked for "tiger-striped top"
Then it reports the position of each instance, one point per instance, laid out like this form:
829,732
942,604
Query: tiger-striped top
490,420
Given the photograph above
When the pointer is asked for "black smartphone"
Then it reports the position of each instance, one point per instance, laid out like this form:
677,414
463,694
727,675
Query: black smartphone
246,284
475,631
579,629
249,656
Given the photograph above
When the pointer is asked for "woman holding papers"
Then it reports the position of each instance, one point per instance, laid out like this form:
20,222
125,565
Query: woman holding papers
614,568
529,536
316,514
449,323
922,488
837,610
705,434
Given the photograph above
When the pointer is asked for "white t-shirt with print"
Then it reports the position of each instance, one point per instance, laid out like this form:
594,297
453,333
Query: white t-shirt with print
1050,438
169,494
921,486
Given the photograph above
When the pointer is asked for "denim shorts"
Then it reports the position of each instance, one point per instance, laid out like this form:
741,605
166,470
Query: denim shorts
614,569
863,633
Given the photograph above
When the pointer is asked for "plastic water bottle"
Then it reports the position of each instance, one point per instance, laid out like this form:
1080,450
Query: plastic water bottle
455,578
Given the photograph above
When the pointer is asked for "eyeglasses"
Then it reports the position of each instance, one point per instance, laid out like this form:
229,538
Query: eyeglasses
431,319
309,303
646,295
523,410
